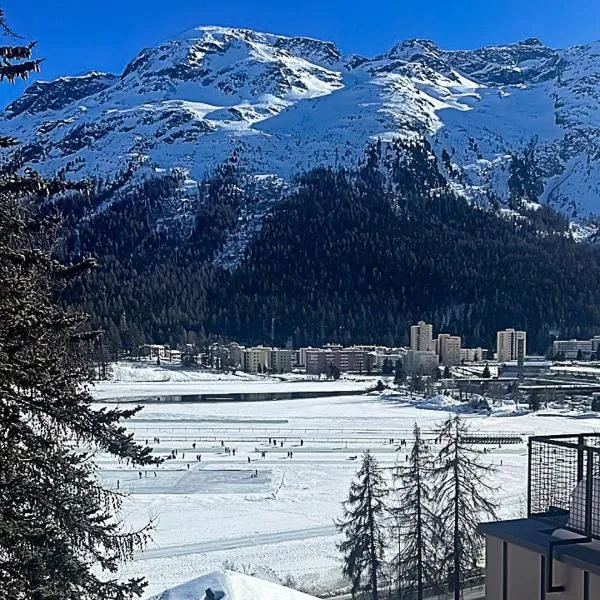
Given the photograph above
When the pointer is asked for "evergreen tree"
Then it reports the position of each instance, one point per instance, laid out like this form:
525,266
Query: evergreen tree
415,562
463,499
417,384
486,371
534,401
399,374
362,526
333,372
326,255
446,374
387,368
59,536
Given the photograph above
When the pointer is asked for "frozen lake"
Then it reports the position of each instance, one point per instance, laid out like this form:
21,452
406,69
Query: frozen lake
270,514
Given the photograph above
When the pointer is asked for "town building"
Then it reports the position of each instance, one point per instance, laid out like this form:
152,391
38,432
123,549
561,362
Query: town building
236,354
421,337
280,360
531,366
347,360
174,355
261,359
447,347
511,345
154,351
224,355
472,354
393,354
421,362
554,553
256,359
371,348
300,356
574,349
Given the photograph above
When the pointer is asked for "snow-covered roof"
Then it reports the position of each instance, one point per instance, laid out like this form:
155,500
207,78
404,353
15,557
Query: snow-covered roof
228,585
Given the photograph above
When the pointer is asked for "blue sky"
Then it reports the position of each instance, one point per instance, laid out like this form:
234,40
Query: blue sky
79,35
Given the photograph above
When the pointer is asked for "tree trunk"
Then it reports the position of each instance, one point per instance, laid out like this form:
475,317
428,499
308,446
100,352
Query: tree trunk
374,590
419,536
456,574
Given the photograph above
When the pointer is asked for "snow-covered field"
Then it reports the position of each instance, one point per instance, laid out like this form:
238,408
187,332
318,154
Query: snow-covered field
273,516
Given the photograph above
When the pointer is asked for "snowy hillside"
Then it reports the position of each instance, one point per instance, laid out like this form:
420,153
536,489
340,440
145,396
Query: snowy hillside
227,585
281,105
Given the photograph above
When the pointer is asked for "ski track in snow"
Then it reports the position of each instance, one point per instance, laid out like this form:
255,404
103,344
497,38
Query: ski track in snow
239,542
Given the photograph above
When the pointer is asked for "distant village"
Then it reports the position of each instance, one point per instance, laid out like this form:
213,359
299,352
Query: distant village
425,356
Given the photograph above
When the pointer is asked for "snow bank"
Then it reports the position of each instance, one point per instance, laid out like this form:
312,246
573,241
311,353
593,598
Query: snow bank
507,408
228,585
441,402
146,371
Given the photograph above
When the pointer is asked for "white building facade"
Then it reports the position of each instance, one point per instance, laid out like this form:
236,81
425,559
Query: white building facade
447,347
511,345
421,337
421,362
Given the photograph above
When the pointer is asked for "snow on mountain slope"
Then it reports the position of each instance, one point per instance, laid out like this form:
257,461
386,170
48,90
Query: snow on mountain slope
227,585
285,104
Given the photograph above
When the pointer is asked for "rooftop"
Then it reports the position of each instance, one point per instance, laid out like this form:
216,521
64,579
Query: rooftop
535,535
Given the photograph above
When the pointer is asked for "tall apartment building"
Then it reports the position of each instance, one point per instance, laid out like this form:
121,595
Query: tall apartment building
421,337
280,360
511,345
447,347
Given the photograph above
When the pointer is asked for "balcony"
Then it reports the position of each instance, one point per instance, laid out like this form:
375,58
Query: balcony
555,552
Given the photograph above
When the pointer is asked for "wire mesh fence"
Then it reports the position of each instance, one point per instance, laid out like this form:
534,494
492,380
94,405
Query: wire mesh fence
564,481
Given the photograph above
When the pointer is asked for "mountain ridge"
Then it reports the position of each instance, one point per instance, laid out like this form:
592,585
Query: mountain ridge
286,104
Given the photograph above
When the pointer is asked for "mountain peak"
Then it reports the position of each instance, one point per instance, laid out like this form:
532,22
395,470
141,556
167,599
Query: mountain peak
415,49
532,42
309,48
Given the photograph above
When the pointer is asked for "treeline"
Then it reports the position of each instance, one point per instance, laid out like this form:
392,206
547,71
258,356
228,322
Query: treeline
349,256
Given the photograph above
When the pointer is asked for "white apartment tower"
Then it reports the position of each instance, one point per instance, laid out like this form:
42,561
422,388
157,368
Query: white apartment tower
511,345
448,349
421,337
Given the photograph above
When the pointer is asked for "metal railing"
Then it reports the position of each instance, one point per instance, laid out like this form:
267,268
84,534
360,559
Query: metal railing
563,481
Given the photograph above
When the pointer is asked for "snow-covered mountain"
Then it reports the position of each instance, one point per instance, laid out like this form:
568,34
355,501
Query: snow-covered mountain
281,105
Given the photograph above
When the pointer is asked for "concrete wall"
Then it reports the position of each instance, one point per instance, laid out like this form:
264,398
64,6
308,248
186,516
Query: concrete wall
524,575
